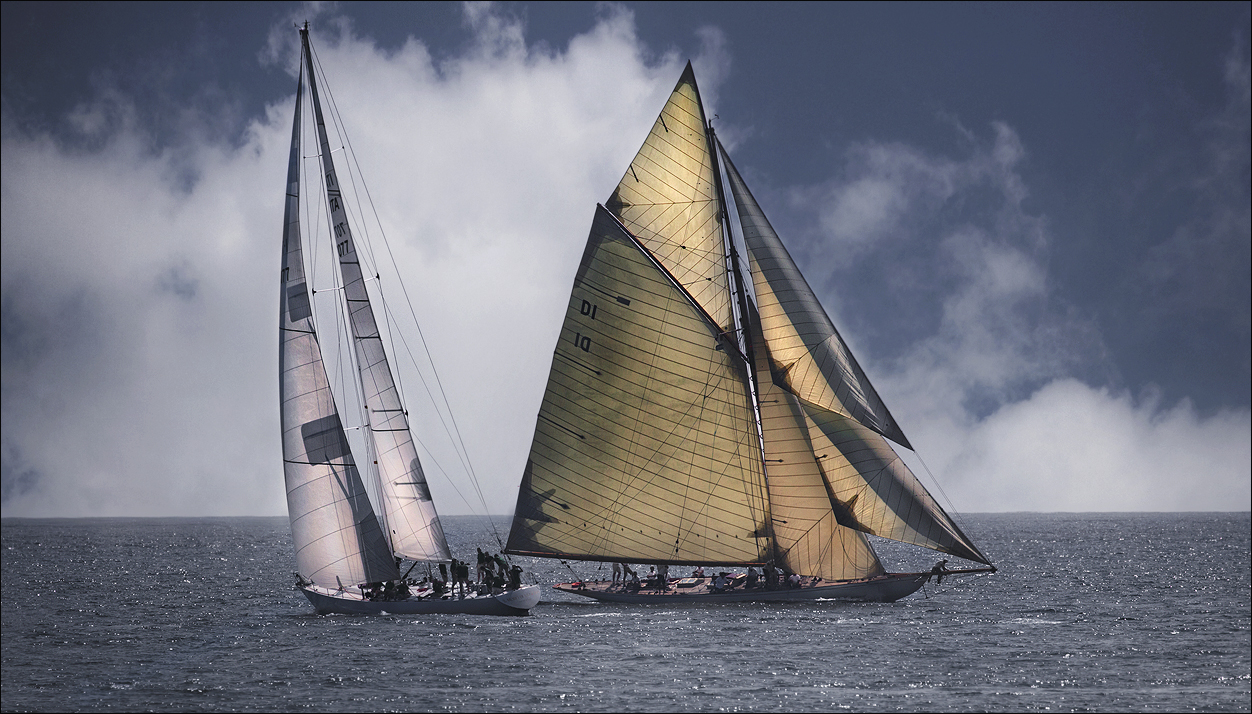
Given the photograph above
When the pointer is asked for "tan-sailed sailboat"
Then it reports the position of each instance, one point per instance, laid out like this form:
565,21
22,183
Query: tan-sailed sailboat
349,549
688,423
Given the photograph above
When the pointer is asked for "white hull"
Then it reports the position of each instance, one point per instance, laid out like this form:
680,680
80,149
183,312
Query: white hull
351,602
886,588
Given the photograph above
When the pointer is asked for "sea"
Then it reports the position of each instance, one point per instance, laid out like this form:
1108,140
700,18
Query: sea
1088,612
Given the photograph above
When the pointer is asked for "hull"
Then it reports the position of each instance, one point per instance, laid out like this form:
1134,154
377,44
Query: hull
886,588
350,602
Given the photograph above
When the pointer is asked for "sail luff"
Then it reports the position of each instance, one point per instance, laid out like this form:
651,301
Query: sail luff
414,528
337,536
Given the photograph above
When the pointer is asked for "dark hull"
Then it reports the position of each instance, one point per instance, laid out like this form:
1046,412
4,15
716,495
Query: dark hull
886,588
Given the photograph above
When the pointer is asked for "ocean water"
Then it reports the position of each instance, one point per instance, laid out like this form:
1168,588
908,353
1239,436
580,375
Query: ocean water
1089,612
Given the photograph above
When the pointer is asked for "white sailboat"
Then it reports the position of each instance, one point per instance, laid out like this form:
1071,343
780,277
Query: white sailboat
688,423
349,549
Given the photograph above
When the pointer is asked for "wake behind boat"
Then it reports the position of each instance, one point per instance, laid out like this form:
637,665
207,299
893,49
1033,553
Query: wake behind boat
694,418
352,541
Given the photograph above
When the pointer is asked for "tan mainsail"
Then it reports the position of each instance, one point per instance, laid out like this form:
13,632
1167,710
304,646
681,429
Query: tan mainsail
668,200
641,448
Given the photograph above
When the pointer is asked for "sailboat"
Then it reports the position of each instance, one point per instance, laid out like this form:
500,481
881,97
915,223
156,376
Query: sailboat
349,550
690,422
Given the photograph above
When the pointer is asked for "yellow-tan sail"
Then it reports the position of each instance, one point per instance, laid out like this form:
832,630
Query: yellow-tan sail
641,451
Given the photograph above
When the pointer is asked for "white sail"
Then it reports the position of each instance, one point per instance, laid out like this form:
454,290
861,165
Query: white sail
872,489
642,447
413,525
337,535
668,199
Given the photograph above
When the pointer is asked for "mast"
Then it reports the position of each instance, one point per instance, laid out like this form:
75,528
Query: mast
743,326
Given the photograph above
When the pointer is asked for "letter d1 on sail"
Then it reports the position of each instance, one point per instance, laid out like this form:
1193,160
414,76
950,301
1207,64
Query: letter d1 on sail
685,422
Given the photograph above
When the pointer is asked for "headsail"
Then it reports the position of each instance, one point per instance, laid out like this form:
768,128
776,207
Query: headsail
871,488
413,526
807,529
642,447
668,200
337,535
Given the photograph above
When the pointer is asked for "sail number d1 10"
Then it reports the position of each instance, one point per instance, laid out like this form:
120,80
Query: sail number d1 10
583,342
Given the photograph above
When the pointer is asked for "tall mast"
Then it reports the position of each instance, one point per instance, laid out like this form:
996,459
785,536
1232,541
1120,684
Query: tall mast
744,326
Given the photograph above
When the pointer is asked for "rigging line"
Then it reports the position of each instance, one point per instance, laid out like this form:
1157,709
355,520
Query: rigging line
954,515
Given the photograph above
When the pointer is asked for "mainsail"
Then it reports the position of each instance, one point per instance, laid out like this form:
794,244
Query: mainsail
338,535
641,428
653,444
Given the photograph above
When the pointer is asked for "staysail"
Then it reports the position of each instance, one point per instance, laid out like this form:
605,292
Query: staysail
642,449
337,535
872,489
412,524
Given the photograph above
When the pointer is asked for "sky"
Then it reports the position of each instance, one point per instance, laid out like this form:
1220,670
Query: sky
1030,221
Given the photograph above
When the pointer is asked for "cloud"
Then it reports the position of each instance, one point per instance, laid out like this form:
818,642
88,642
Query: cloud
140,284
993,381
1070,447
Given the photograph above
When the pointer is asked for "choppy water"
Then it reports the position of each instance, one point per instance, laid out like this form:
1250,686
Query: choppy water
1090,612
